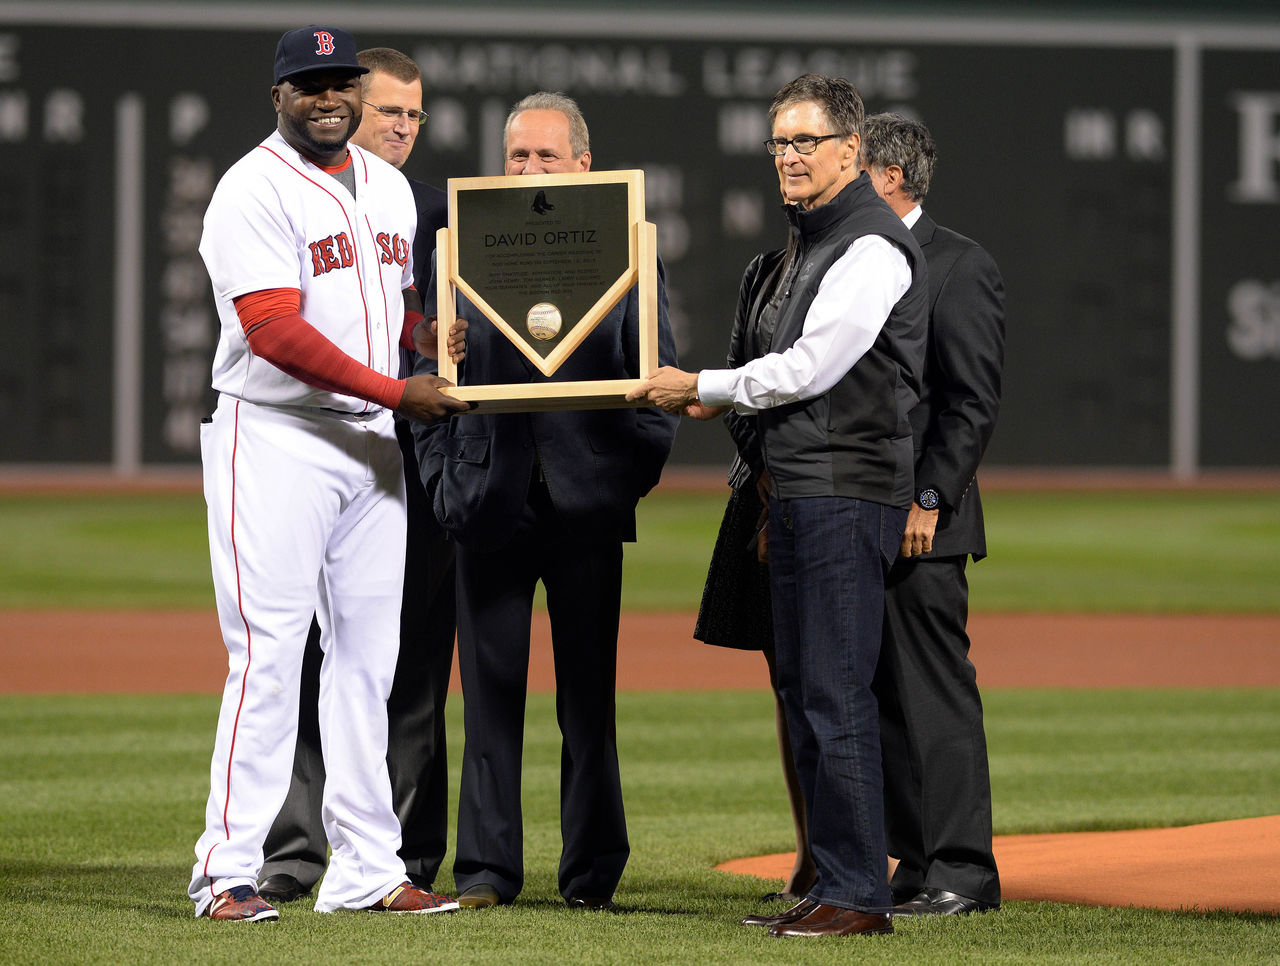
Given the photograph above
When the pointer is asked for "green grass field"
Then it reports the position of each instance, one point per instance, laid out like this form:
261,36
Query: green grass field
101,797
1152,552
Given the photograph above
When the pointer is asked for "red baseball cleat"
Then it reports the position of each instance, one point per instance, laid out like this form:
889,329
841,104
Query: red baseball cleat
241,904
407,897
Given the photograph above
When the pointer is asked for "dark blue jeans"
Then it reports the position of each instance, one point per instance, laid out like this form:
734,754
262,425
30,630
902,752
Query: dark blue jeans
828,557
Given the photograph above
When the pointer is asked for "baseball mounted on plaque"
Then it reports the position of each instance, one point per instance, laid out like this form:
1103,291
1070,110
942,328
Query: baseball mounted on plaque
544,258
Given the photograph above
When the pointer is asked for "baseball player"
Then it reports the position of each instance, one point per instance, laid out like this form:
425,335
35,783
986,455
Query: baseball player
296,850
307,243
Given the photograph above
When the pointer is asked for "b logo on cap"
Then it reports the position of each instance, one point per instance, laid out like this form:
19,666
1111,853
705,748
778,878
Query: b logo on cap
324,42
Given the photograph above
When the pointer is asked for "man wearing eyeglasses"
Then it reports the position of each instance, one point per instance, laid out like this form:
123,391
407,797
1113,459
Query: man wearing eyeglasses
296,849
831,388
393,112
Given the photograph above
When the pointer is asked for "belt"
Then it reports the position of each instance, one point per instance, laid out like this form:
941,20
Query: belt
343,414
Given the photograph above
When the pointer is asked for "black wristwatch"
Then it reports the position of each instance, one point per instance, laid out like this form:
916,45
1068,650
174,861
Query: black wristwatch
928,498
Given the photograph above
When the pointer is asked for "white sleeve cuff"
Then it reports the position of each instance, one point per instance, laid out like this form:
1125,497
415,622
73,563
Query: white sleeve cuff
715,388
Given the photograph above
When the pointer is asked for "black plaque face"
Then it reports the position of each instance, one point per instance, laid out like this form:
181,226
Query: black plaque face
541,257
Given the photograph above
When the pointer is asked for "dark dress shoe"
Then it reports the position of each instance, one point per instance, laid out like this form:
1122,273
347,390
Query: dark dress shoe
901,896
481,896
281,887
826,920
939,902
790,898
590,903
798,911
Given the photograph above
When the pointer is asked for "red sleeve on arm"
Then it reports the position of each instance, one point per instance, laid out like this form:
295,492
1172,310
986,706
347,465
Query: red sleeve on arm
289,342
258,307
411,319
412,316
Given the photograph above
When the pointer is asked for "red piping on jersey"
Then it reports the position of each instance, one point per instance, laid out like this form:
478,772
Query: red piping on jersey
235,727
359,271
386,308
368,336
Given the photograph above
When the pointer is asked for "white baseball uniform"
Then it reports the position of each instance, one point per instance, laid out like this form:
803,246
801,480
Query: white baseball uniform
306,505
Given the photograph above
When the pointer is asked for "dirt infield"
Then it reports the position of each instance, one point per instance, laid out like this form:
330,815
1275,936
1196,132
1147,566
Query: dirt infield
1199,867
1194,868
181,651
96,478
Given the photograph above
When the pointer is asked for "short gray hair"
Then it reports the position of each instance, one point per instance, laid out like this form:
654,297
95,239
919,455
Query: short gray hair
894,139
579,140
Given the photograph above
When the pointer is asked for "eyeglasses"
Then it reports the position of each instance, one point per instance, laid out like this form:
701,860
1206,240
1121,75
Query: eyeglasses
392,113
804,144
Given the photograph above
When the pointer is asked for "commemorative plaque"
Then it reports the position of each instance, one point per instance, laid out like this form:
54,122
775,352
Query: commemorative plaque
544,258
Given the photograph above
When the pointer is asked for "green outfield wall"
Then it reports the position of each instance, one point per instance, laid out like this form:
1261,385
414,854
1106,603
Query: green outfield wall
1122,166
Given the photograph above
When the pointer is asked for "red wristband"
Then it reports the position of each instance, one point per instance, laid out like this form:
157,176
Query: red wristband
411,319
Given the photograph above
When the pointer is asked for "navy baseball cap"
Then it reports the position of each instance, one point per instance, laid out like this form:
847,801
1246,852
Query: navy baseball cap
316,48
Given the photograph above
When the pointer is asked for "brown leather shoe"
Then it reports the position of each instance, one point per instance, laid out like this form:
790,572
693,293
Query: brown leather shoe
826,920
798,911
482,896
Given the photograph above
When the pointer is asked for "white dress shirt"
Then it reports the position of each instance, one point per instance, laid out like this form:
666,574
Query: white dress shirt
853,301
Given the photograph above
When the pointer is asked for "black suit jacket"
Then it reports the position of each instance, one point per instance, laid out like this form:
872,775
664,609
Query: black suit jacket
597,463
433,214
960,397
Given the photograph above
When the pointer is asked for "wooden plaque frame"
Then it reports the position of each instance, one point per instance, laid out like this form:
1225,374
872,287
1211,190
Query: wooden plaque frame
641,269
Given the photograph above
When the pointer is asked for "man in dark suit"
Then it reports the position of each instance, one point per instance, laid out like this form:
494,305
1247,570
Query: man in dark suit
936,781
547,496
296,849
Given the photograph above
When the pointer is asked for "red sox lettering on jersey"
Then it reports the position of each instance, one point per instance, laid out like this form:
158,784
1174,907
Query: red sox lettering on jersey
395,250
336,252
330,253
